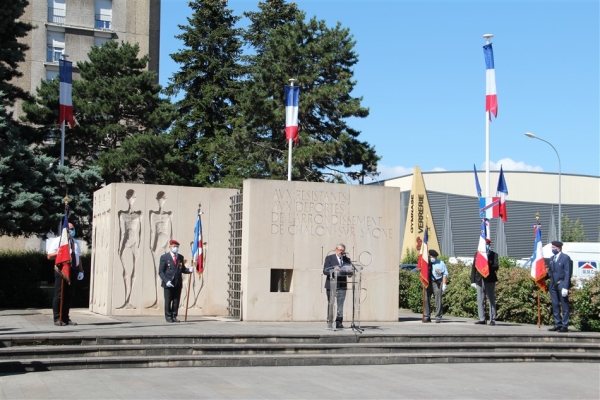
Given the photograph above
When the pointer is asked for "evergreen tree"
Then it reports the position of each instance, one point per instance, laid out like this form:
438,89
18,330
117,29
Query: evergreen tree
321,60
115,100
32,187
12,50
209,78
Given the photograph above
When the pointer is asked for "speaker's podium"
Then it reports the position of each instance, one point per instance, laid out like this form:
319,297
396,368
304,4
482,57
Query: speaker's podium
353,276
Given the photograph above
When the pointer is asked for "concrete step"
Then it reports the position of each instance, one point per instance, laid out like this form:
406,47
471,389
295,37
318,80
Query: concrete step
251,349
27,365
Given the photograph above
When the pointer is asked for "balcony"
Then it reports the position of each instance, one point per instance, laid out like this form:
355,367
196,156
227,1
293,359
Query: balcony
103,21
56,15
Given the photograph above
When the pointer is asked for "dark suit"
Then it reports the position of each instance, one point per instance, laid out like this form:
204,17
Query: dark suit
486,287
169,271
332,261
559,272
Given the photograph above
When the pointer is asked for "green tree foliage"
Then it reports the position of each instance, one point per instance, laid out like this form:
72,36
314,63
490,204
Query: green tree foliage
209,75
321,59
572,231
586,305
12,49
32,187
411,256
120,117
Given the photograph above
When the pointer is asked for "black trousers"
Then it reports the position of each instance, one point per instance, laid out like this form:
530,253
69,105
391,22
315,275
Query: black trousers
172,296
67,296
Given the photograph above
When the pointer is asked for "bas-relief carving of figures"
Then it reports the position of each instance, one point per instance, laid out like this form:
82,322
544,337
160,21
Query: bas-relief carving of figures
130,233
161,229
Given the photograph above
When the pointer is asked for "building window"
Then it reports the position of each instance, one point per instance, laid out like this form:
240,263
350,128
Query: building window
56,46
57,11
103,14
100,40
51,74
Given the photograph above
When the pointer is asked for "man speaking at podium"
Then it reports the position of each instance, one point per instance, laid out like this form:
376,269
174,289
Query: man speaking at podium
334,262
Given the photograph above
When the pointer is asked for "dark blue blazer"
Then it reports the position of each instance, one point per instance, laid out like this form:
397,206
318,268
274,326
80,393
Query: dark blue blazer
168,271
331,261
560,272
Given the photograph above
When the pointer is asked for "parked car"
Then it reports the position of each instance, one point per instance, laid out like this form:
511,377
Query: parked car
409,267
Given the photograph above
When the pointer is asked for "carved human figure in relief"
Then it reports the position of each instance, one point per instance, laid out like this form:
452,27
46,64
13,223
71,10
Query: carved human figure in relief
161,229
130,233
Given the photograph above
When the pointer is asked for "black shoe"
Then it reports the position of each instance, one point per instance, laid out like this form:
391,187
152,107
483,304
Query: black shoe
492,323
175,320
480,323
563,329
339,325
426,320
556,328
69,323
169,319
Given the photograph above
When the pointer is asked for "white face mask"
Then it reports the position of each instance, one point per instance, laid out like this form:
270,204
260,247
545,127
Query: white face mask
432,259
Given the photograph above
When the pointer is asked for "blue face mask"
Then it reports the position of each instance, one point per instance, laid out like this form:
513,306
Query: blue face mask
487,247
72,232
555,251
175,250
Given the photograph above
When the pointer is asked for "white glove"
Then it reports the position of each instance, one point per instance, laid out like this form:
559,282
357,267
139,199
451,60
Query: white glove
191,269
444,287
474,285
80,276
169,284
564,292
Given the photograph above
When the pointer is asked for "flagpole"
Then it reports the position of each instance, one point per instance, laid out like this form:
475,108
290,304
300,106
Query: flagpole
537,221
487,37
187,301
290,146
62,129
62,280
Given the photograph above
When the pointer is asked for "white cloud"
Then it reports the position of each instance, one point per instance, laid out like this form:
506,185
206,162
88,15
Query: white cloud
511,165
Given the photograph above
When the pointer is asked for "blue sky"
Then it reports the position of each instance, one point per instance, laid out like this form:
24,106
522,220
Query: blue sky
421,72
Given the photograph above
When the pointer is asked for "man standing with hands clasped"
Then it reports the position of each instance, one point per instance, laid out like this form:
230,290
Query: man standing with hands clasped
170,268
486,287
438,273
559,271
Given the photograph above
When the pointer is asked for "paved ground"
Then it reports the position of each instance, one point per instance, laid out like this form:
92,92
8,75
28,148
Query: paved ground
425,381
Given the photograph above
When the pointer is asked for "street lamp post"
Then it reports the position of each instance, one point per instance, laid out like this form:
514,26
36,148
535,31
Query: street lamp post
531,135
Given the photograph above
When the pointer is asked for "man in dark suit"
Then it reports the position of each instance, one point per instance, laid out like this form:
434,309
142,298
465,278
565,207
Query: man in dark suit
559,271
170,268
333,263
486,287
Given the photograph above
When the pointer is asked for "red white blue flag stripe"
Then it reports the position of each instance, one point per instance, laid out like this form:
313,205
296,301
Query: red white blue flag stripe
292,97
62,262
502,192
491,99
197,250
65,93
489,207
538,266
423,262
481,260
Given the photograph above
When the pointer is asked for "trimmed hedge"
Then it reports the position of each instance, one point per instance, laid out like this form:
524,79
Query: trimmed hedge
28,281
516,297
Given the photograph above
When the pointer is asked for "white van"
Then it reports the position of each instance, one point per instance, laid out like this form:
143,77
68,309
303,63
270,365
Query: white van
585,257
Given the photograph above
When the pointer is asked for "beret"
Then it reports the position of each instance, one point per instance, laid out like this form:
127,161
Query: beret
433,253
488,241
173,242
557,243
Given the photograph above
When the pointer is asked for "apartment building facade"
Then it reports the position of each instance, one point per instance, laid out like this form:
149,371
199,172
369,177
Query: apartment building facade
72,27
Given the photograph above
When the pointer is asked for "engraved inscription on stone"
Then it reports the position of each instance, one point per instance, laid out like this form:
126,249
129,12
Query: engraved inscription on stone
322,213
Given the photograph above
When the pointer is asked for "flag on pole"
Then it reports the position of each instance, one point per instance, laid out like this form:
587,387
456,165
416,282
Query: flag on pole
292,97
489,207
502,192
197,254
477,187
491,99
62,263
423,262
65,93
481,260
538,265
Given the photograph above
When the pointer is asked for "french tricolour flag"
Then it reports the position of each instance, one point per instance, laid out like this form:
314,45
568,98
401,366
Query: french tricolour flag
65,92
423,262
538,266
489,207
62,262
481,260
197,250
502,192
292,97
491,99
